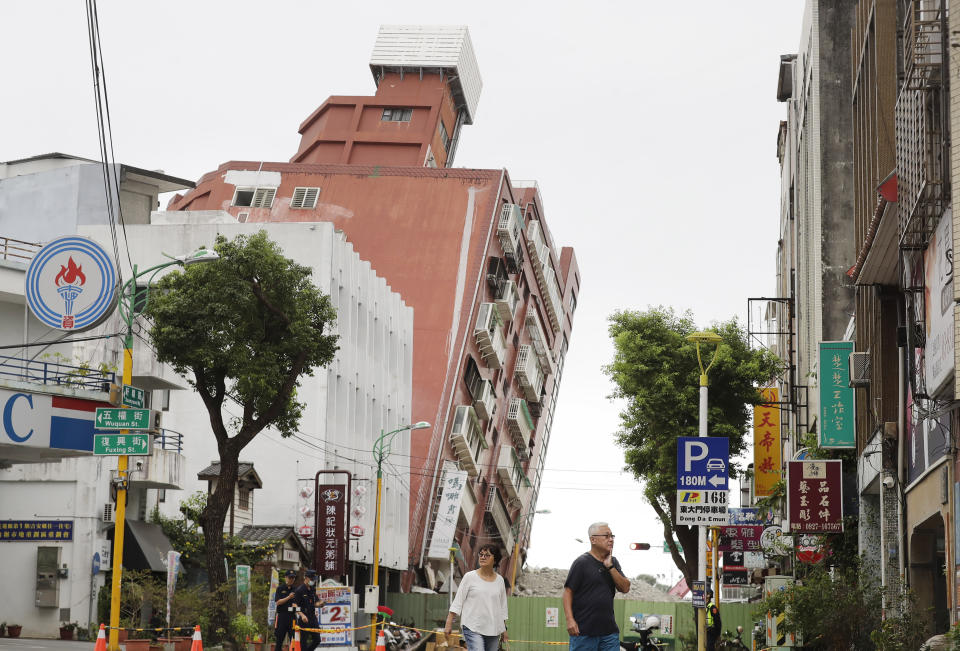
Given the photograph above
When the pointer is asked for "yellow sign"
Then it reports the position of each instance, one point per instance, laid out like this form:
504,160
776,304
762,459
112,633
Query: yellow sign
767,461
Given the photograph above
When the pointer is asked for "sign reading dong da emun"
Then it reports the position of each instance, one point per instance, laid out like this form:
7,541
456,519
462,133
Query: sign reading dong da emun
71,284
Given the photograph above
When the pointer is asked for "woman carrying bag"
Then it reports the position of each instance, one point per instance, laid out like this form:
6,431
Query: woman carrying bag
481,603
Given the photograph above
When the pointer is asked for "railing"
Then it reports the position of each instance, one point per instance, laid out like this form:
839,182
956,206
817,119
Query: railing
17,250
67,375
169,440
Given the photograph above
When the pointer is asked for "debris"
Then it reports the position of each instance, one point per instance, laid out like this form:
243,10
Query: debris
548,582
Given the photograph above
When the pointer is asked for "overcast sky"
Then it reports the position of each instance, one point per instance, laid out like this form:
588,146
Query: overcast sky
650,126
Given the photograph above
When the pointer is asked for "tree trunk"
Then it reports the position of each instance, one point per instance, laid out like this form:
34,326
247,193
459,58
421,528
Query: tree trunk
213,517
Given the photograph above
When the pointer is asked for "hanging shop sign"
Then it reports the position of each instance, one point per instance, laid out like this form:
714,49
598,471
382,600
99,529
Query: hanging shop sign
767,462
836,396
331,552
815,496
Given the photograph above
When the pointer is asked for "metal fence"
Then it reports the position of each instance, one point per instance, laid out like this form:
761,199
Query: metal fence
17,250
46,372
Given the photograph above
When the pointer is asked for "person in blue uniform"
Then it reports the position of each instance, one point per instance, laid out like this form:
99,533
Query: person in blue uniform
306,598
284,598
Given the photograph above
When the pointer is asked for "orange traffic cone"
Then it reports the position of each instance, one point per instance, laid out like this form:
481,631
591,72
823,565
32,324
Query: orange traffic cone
197,644
101,640
295,646
381,642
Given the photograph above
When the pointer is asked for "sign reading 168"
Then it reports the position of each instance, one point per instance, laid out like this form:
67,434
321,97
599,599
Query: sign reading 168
716,497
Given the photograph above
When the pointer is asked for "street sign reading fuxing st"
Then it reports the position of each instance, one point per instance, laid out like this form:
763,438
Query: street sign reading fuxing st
120,444
110,418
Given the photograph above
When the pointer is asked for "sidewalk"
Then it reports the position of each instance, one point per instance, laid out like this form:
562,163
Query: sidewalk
32,644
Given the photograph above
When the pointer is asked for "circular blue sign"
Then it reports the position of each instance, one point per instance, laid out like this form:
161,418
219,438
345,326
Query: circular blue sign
71,284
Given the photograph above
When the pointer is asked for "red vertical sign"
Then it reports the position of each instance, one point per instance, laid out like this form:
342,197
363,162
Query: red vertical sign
815,496
330,553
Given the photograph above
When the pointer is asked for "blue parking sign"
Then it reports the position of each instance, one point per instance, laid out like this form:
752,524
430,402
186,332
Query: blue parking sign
703,463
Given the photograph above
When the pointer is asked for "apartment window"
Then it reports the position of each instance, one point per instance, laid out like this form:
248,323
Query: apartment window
444,138
473,379
243,501
254,197
396,115
304,198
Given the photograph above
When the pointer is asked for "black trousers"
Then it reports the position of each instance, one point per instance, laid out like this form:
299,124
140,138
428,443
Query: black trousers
310,641
284,628
712,637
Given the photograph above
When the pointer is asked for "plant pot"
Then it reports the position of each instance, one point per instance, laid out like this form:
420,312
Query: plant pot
156,647
13,631
122,635
182,643
66,633
138,645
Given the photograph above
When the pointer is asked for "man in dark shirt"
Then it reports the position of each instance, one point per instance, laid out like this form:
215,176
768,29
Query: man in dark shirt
588,593
284,597
306,598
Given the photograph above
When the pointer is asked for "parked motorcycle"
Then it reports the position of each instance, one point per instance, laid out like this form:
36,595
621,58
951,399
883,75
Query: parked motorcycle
729,642
644,639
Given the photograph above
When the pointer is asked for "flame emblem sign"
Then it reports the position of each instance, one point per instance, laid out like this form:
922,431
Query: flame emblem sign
71,284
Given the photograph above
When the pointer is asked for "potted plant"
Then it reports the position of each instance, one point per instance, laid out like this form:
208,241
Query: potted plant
139,641
67,629
13,630
243,630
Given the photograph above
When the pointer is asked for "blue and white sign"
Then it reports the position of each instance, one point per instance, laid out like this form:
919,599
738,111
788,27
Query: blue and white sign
71,284
703,463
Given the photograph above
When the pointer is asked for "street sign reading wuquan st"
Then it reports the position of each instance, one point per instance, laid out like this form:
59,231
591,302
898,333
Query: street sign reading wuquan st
111,418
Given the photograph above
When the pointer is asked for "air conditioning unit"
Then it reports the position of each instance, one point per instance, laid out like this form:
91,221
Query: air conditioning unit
860,369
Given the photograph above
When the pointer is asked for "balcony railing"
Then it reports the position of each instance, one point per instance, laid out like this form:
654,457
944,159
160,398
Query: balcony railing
55,373
521,426
169,440
17,250
529,375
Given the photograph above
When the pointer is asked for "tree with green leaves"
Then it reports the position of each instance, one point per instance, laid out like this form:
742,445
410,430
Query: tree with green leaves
243,329
656,374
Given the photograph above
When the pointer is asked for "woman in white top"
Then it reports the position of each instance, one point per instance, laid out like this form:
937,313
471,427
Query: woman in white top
481,603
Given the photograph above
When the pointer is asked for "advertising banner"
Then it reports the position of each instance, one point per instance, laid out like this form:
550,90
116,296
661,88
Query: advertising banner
837,416
452,482
767,461
173,568
938,305
741,538
272,604
34,530
335,615
331,552
815,496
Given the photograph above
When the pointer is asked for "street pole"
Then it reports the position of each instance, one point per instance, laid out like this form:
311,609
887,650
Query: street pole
699,338
129,294
381,450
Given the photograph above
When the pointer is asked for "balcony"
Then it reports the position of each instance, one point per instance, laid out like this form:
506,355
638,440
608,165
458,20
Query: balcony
484,400
539,341
510,228
466,437
501,519
528,373
536,245
53,372
165,467
521,426
489,335
148,373
551,296
508,298
510,472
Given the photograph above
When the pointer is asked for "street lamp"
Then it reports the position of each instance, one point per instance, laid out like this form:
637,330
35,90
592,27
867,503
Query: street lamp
516,543
381,450
704,339
129,304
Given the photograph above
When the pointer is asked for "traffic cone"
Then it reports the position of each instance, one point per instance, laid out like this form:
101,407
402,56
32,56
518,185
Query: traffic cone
101,640
197,644
381,642
295,646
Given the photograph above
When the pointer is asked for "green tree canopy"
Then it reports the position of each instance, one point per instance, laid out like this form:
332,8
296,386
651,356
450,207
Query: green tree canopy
655,372
245,329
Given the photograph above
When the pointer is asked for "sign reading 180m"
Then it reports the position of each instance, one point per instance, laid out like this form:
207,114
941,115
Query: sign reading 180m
71,284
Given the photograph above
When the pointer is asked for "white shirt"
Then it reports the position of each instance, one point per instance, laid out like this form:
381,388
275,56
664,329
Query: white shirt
482,605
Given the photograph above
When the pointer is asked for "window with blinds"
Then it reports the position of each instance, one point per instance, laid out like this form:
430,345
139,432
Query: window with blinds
304,198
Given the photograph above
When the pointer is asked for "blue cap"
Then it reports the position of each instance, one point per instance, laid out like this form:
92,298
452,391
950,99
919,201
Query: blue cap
290,574
310,574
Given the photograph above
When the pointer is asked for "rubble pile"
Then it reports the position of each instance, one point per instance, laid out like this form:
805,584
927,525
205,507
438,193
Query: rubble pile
548,582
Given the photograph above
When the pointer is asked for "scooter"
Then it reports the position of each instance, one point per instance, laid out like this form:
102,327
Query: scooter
644,639
731,643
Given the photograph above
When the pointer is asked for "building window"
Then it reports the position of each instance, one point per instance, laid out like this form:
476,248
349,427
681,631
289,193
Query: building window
161,495
573,302
254,197
304,198
396,115
243,501
165,400
444,138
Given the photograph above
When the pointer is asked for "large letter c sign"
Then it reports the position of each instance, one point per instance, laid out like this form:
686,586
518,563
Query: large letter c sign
8,417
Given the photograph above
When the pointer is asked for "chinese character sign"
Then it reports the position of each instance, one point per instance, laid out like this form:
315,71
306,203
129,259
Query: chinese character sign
329,557
815,496
836,395
34,530
453,482
766,443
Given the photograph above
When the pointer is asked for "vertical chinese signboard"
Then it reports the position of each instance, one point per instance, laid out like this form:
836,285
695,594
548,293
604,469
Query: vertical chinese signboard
815,496
448,511
330,554
836,396
766,443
